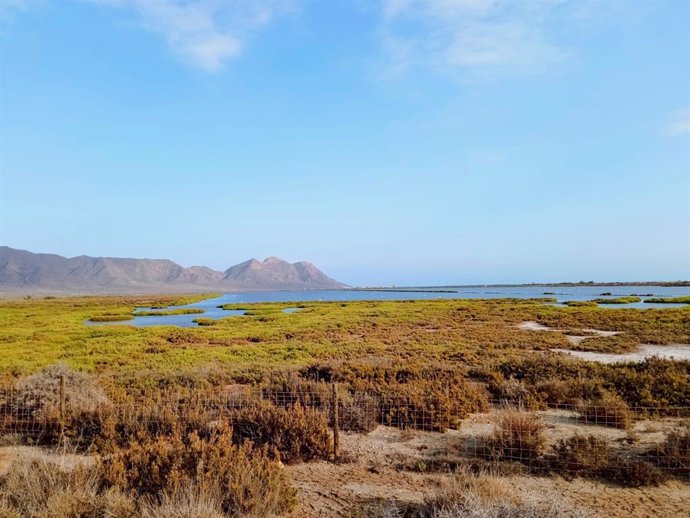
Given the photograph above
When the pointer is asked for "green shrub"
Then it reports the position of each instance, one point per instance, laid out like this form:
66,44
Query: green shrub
668,300
181,311
581,303
111,318
618,300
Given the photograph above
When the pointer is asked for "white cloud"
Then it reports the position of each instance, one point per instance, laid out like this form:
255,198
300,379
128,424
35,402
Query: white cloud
204,33
679,123
473,36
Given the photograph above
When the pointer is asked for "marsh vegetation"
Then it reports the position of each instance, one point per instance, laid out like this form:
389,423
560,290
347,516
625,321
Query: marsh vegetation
179,399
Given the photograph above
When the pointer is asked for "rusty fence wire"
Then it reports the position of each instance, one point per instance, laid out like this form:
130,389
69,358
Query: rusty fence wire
582,435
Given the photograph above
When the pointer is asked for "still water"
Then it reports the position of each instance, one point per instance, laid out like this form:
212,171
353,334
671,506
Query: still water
460,292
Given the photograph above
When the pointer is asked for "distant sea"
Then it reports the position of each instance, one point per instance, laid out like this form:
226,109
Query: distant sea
560,293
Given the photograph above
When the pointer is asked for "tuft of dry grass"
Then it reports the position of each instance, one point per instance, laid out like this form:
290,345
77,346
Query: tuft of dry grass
518,436
484,495
44,488
185,502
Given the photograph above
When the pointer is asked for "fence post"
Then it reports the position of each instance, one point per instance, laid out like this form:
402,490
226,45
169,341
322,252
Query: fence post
336,435
449,403
62,405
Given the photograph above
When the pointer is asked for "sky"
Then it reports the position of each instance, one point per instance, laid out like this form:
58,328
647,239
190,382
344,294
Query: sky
390,142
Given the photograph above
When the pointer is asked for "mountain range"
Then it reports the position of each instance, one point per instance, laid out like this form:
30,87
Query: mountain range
26,272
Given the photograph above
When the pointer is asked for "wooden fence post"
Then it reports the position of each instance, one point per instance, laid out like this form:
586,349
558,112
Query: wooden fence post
336,435
62,405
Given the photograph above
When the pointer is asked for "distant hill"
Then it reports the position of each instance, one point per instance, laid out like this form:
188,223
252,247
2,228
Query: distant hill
27,272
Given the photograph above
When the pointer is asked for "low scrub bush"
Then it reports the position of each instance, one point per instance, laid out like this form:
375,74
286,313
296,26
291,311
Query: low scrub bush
428,405
618,300
111,318
668,300
610,410
297,433
244,480
358,413
634,473
674,452
581,455
39,395
518,436
163,313
581,303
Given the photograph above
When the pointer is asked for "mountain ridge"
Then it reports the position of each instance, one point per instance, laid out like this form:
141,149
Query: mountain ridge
22,271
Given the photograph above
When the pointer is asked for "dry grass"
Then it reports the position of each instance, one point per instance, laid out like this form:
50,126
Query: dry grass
481,496
518,436
46,489
186,502
39,394
201,479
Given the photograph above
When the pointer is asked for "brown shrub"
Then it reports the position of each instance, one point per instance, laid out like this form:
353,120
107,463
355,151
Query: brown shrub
246,481
297,433
581,455
518,436
429,405
38,395
674,452
358,413
610,410
634,473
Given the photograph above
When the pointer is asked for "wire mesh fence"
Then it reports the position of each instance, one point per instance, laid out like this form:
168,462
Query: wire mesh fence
573,437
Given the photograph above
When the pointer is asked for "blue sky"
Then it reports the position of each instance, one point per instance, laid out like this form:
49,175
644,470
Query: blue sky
387,141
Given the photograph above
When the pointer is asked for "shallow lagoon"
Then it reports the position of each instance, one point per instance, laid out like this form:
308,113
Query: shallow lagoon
560,293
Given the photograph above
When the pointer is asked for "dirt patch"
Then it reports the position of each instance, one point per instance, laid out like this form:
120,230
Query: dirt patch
572,335
673,352
670,500
389,464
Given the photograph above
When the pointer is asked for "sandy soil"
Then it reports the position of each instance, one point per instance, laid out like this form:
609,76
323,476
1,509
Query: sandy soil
385,465
673,352
404,466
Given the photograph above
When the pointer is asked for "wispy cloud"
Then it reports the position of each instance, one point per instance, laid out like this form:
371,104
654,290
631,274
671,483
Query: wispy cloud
474,36
679,123
9,8
204,33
